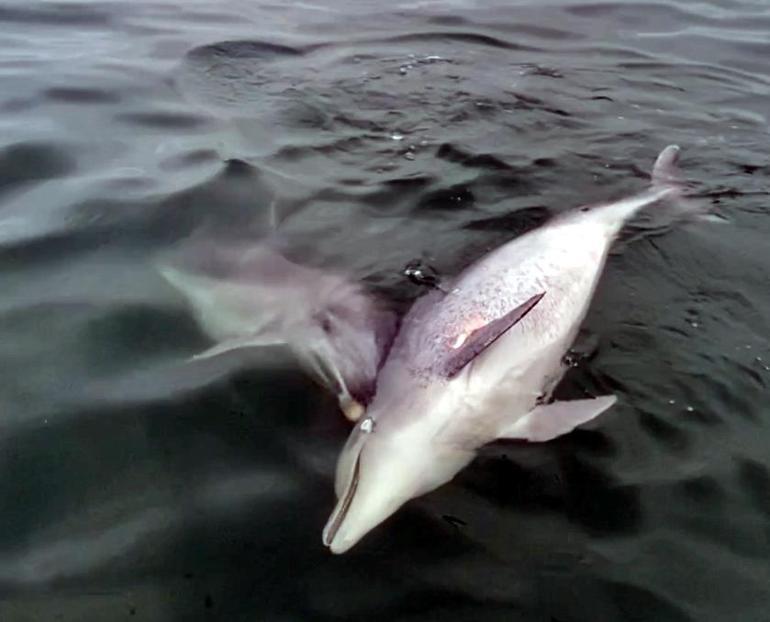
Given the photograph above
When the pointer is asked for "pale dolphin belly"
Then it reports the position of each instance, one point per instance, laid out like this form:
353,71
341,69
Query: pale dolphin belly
472,357
564,261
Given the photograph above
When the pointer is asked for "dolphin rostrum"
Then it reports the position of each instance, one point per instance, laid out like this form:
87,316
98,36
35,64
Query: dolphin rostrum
248,294
477,360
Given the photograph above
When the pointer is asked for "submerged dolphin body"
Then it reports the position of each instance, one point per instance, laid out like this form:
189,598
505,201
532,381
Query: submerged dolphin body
478,360
247,295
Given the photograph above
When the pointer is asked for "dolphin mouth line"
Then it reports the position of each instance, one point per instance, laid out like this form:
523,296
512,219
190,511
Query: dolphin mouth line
340,512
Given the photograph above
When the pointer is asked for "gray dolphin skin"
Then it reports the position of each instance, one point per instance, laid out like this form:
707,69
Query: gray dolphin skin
248,294
477,361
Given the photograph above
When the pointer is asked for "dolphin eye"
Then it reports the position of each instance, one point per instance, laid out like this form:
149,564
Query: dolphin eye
326,324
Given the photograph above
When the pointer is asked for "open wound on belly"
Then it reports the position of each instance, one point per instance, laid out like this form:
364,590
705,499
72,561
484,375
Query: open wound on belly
473,323
470,343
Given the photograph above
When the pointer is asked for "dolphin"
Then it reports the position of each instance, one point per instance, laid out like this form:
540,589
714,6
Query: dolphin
247,294
477,360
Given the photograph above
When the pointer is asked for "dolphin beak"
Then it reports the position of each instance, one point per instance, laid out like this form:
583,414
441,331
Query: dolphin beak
331,533
354,517
340,536
338,544
338,547
363,502
358,511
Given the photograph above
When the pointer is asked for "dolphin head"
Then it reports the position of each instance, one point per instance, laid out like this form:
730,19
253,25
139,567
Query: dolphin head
344,339
349,334
247,293
379,470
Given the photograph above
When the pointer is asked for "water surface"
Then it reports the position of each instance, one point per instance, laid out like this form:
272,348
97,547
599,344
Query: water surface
136,486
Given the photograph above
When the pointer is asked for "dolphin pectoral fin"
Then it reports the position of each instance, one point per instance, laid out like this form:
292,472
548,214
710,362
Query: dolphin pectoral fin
238,343
476,342
548,421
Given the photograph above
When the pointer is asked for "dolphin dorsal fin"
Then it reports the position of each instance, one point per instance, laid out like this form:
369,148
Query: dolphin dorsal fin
481,338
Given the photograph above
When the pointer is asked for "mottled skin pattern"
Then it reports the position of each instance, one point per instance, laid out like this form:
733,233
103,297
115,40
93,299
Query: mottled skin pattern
423,422
563,260
425,425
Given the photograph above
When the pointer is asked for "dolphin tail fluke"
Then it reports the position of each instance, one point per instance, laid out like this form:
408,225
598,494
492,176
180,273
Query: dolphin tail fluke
668,188
665,171
667,180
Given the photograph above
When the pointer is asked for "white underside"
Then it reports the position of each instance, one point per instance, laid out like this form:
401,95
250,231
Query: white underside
524,364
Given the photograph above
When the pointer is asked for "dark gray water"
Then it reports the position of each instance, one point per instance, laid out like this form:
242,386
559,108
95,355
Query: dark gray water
136,487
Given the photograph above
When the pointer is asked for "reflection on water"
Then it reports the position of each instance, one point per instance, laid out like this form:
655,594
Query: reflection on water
137,486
